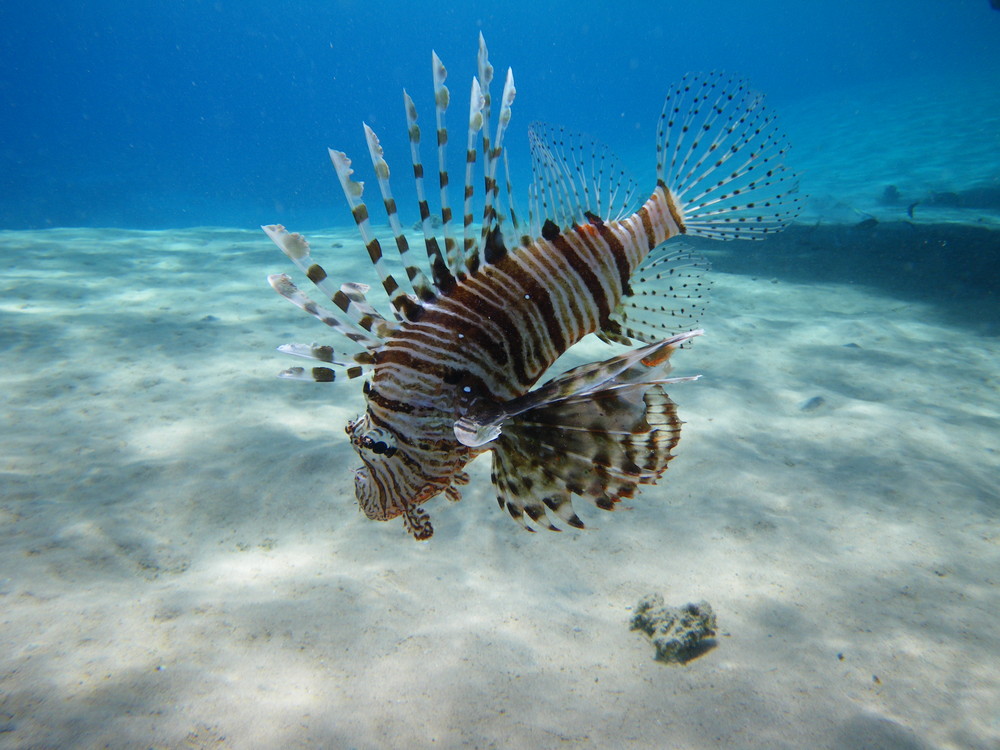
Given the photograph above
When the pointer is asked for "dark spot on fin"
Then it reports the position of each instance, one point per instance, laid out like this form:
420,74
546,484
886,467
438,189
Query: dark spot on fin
494,250
323,374
443,279
594,219
316,273
411,309
550,230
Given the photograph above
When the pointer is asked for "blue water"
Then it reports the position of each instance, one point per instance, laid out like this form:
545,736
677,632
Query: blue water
159,115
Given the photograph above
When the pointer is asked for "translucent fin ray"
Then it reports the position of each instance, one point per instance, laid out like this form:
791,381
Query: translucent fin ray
721,154
492,216
575,176
442,275
483,422
284,286
476,103
442,98
669,292
419,283
407,307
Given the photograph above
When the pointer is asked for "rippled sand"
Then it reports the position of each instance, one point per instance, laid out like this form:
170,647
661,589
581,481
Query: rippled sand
183,564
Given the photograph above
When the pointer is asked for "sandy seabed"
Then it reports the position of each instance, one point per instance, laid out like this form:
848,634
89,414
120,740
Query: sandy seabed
182,564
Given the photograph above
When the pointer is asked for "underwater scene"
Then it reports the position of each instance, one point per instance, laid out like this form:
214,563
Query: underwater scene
603,422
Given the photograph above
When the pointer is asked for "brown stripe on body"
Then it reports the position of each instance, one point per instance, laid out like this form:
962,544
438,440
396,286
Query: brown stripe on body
536,352
399,407
640,241
402,356
441,358
458,312
467,304
472,358
557,275
584,271
614,243
647,227
540,297
531,342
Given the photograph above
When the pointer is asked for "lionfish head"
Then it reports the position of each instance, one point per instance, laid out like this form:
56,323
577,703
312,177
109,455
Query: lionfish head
387,485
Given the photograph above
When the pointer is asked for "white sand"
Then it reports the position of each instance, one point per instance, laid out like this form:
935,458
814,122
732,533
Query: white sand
183,564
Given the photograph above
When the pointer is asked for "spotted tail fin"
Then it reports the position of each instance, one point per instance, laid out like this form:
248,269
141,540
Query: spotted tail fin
721,156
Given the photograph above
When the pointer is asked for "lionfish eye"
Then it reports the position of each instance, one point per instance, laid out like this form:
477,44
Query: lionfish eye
379,441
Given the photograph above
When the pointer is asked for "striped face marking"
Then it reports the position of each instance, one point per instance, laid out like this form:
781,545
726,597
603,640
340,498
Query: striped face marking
376,483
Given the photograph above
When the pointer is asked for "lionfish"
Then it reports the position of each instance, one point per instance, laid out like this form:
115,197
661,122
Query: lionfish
451,372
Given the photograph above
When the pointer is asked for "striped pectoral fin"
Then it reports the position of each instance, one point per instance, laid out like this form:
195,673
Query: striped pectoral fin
485,421
599,446
418,523
598,431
